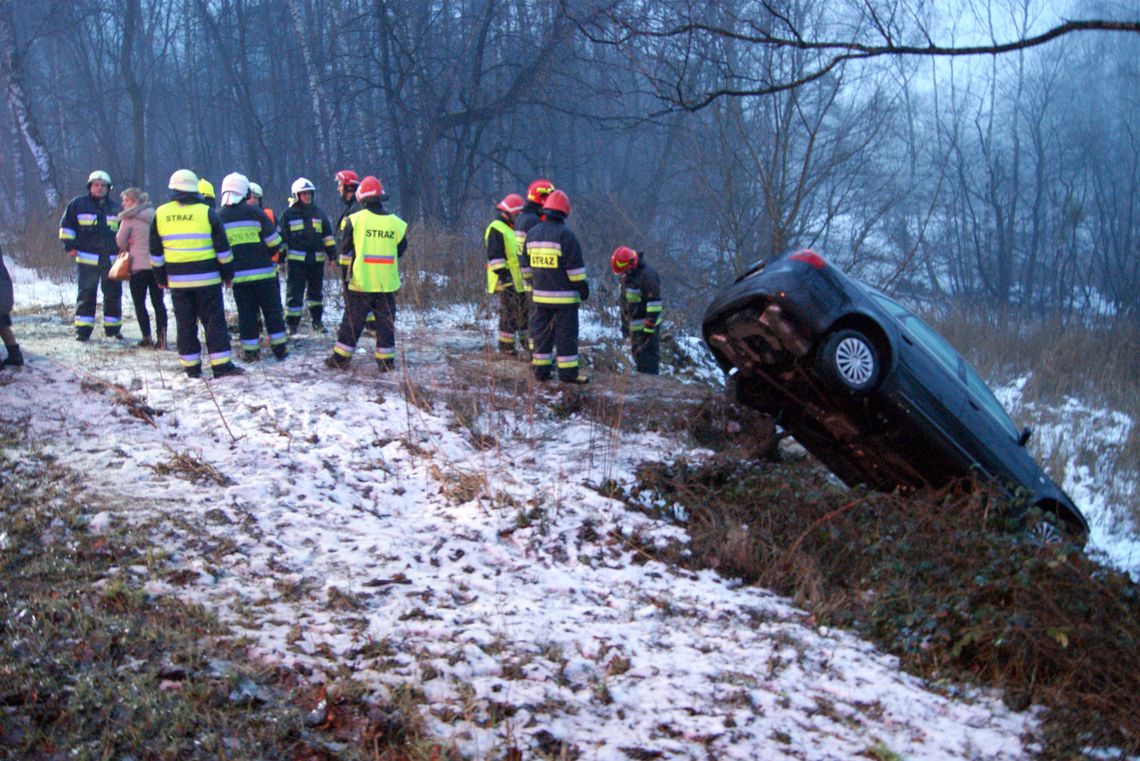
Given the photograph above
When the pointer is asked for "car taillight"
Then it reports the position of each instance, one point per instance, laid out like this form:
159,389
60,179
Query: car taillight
807,256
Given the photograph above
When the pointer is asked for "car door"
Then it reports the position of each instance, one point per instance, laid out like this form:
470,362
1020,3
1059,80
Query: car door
930,383
996,448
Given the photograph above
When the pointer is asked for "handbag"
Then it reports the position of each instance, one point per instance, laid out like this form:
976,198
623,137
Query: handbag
121,269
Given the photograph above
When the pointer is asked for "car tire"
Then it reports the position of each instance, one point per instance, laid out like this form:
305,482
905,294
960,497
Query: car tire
849,360
1050,529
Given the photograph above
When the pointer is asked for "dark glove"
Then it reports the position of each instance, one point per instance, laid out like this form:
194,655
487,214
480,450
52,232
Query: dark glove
583,290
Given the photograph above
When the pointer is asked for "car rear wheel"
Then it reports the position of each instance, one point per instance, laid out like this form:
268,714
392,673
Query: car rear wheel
850,361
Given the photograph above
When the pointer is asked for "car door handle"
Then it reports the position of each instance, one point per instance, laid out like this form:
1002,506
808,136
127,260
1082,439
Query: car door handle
974,404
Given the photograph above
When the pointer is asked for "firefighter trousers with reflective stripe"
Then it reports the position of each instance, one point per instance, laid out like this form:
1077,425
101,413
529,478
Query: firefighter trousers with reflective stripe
357,306
647,352
514,318
200,305
302,277
259,300
554,331
92,278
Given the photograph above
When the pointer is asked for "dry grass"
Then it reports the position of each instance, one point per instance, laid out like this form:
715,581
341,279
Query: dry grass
944,581
39,247
1101,364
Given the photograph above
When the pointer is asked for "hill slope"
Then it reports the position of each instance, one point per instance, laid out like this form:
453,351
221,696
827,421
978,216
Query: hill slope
437,528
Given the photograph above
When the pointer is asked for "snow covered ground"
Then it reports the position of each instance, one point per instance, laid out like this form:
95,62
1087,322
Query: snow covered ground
357,526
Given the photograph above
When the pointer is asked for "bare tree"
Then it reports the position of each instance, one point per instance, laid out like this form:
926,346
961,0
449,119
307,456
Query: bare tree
12,71
674,35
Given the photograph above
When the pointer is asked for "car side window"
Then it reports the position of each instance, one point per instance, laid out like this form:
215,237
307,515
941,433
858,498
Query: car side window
982,394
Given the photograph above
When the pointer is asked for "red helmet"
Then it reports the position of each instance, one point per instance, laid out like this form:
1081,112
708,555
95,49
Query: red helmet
557,201
370,187
623,259
538,190
512,203
347,177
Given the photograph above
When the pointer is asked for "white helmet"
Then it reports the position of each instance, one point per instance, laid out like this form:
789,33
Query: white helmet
99,175
255,190
183,180
301,185
235,187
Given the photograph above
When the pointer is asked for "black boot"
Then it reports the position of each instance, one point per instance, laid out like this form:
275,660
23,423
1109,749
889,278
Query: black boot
227,368
83,335
251,355
338,362
146,342
194,371
280,351
14,358
580,380
386,365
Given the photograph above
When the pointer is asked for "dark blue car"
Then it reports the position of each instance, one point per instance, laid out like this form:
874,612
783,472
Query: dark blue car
869,388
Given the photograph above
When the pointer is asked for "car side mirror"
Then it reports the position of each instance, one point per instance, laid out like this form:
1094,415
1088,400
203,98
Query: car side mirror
1026,432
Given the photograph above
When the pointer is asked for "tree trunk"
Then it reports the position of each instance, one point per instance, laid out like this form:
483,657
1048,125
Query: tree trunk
17,96
299,27
127,55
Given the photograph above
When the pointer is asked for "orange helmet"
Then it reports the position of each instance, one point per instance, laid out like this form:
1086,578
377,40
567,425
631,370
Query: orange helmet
623,259
347,177
512,203
557,201
370,187
538,190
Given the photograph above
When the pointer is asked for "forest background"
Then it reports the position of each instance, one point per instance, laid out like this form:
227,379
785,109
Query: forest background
709,135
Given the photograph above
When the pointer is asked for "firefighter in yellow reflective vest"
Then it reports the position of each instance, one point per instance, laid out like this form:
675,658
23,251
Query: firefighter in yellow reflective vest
504,274
191,256
559,278
374,243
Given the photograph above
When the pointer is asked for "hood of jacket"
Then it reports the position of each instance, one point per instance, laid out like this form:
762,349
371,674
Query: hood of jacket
143,211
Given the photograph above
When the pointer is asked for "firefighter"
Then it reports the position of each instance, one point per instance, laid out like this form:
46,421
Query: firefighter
192,257
374,243
346,184
255,244
559,281
347,181
640,304
87,230
256,198
504,274
308,235
530,216
531,213
206,190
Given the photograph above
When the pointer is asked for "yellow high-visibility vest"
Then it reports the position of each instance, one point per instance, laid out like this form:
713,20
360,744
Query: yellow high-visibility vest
375,238
511,248
185,232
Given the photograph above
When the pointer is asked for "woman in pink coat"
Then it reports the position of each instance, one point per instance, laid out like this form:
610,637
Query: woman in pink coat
134,236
